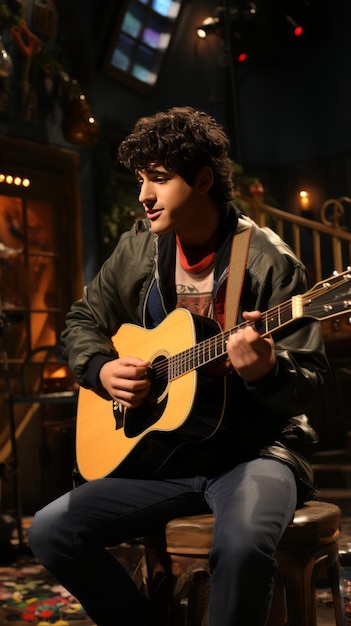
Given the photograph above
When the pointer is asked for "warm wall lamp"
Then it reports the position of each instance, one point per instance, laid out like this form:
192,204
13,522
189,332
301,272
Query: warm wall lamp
304,200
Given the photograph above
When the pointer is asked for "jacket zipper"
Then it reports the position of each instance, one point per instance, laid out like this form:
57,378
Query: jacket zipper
157,280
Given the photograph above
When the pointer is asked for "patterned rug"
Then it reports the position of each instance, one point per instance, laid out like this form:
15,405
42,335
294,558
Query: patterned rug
30,595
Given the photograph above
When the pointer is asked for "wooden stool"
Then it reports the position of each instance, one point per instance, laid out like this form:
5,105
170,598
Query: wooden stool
176,567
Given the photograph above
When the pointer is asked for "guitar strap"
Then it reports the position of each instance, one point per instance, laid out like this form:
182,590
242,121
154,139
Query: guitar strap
236,271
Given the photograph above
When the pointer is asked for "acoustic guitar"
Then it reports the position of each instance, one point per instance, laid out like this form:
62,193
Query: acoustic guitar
186,401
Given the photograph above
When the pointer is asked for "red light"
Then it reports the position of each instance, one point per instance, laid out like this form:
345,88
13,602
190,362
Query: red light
242,57
298,31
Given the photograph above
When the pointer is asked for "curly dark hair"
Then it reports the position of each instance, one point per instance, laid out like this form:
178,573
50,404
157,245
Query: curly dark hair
182,140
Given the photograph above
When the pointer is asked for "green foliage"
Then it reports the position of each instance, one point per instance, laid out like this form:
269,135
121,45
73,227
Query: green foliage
10,12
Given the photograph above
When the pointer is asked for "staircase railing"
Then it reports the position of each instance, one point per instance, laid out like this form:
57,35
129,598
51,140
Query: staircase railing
324,246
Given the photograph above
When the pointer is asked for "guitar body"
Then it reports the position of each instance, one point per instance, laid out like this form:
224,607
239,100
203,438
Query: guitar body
187,399
141,440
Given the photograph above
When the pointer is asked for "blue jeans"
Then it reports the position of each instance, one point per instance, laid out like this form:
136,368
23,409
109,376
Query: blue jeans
252,504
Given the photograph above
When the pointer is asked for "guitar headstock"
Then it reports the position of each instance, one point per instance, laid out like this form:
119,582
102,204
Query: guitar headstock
329,297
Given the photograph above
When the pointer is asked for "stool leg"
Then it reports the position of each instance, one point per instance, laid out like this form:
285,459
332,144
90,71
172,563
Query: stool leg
300,571
158,582
198,597
277,615
300,584
334,574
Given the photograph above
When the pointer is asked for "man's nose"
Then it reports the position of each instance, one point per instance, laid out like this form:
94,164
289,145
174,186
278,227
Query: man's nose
147,193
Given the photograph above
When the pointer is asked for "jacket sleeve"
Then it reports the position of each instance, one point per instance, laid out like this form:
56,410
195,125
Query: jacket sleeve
301,370
301,367
113,297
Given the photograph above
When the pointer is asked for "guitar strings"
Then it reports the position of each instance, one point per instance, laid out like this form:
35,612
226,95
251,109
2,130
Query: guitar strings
214,347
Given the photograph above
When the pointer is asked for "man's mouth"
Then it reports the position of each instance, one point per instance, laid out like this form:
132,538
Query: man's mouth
153,215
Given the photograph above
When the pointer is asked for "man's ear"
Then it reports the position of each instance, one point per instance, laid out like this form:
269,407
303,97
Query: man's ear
204,179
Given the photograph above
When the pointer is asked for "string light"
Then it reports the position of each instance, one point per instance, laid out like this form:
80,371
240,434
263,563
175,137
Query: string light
8,179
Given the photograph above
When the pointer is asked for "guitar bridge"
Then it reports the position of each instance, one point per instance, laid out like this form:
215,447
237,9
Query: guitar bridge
118,414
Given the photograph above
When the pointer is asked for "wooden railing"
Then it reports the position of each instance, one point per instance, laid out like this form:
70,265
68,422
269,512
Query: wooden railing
324,246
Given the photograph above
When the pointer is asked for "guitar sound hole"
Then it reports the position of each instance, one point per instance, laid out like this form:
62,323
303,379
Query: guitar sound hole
149,412
159,379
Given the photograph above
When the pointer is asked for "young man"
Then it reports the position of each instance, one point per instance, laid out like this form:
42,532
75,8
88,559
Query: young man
251,472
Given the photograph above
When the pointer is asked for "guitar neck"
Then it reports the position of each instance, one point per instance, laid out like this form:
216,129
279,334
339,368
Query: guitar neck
215,347
326,299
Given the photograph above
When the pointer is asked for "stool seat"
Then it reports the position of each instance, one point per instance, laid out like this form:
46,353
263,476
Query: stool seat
190,535
316,523
179,556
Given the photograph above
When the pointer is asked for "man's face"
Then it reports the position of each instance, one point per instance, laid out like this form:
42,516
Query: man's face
169,202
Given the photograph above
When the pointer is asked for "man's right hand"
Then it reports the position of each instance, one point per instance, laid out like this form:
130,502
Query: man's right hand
126,380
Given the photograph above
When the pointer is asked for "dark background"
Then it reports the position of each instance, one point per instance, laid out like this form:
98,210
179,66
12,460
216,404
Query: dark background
288,115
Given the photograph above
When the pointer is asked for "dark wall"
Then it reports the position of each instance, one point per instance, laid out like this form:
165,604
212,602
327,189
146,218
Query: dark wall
292,106
299,108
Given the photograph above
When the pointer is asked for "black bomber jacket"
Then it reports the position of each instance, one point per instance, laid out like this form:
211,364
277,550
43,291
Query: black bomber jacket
265,419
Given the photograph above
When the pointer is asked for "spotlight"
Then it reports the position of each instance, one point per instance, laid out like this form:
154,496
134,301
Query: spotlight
242,57
209,25
249,11
237,16
297,28
216,23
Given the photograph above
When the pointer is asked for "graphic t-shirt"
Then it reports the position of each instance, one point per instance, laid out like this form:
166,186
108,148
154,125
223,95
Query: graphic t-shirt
194,289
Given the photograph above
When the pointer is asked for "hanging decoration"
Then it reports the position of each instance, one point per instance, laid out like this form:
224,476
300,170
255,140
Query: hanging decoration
43,82
79,126
6,65
28,43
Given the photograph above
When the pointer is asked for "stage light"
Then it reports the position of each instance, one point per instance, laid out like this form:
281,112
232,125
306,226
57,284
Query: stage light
297,28
235,14
209,25
216,23
242,57
249,11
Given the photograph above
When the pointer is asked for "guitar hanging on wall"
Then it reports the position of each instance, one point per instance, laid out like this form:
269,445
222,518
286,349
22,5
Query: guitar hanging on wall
185,402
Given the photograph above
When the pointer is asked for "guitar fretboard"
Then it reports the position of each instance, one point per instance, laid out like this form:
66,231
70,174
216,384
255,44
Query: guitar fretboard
325,300
215,347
